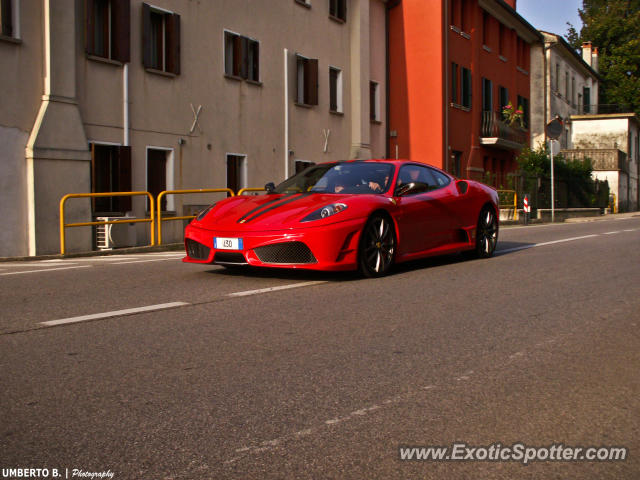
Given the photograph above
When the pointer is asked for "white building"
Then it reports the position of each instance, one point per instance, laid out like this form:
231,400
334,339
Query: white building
611,141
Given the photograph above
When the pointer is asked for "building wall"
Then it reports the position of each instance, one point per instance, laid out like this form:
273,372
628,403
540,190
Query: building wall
236,116
21,98
417,90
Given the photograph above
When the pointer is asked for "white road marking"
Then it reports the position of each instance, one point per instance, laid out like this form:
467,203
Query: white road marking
116,313
534,245
611,233
45,270
143,261
273,289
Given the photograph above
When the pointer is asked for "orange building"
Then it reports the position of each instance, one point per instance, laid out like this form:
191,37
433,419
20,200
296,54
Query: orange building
454,67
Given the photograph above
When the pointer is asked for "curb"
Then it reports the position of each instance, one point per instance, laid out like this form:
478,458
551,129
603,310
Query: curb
98,253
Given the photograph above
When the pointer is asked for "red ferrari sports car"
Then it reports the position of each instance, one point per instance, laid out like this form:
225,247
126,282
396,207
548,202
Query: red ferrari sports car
349,215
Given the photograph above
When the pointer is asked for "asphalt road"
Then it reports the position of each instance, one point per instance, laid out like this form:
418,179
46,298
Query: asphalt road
253,375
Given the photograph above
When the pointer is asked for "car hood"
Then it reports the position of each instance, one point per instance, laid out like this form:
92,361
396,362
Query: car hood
275,211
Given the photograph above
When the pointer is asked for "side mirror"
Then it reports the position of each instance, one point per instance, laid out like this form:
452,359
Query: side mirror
411,187
270,187
462,186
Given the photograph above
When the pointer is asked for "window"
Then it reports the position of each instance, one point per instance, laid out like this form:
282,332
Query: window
587,99
487,95
236,171
108,29
338,9
501,40
241,57
160,174
110,172
374,101
160,40
307,80
485,28
566,85
573,91
523,103
335,90
432,179
466,88
557,82
9,18
504,97
454,83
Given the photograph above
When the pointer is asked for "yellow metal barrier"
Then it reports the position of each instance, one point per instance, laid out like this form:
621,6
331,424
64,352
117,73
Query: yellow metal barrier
106,194
187,217
506,193
242,190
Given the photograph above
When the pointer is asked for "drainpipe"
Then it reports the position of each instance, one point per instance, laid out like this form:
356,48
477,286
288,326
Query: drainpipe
390,4
286,114
125,103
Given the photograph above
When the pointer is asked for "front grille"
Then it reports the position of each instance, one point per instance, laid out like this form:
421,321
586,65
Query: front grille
287,252
196,250
229,257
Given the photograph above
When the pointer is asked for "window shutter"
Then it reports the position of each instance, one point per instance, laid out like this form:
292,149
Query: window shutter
311,81
124,204
244,55
90,25
255,46
342,13
121,30
173,43
7,18
237,55
146,36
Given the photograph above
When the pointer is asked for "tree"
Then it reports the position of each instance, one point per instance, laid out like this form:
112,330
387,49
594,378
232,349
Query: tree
614,27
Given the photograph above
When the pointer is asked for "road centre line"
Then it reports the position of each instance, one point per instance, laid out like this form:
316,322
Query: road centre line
525,247
273,289
115,313
45,270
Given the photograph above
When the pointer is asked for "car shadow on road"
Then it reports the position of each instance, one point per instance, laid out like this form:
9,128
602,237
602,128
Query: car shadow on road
504,248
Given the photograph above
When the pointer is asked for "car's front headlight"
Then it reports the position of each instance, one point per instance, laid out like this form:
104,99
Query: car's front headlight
204,212
325,212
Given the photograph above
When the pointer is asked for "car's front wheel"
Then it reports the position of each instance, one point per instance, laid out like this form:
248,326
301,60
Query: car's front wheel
377,247
486,233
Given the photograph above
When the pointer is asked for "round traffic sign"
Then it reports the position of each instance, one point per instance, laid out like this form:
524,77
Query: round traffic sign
554,128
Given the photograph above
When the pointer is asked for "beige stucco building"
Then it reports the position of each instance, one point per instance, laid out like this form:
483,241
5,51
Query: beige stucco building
562,84
120,95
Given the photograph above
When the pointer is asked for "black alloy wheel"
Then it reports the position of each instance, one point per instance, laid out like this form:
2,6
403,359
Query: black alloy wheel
377,247
486,233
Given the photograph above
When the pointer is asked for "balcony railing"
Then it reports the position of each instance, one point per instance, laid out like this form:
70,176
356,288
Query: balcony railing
601,159
502,134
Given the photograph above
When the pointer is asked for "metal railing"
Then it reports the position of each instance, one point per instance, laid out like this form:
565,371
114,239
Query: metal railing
243,190
493,126
64,225
509,199
182,192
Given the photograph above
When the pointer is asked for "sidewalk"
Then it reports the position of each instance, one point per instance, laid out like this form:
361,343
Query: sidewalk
99,253
611,216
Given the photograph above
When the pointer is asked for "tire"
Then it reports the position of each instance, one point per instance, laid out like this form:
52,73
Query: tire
377,247
486,233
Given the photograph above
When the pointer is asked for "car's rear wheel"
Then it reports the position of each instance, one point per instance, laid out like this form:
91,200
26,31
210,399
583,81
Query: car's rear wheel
377,247
486,233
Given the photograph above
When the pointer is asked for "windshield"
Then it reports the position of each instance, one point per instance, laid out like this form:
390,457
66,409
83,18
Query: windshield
351,177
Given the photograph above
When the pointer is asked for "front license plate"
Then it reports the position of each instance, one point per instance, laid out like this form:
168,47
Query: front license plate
220,243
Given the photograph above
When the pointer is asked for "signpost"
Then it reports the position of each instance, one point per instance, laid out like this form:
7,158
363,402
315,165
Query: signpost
553,130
